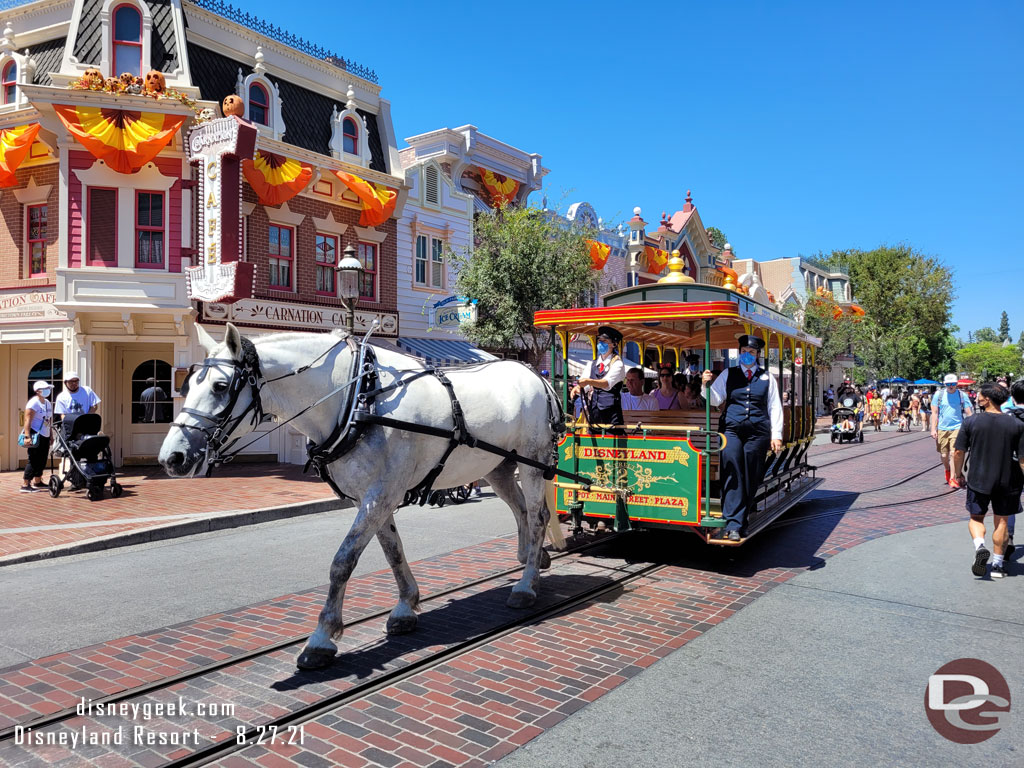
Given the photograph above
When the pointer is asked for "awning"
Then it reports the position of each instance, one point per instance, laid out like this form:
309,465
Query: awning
443,351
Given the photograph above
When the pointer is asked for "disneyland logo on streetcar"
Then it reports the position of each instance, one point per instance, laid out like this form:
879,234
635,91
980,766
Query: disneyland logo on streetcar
657,455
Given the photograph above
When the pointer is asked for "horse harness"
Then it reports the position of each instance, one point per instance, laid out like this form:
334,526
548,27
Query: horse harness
359,414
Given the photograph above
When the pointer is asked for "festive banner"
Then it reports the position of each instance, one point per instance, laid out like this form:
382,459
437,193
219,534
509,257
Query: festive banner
124,139
656,259
15,144
500,189
599,253
378,201
276,178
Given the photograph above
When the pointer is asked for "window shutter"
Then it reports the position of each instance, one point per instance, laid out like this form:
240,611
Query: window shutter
431,183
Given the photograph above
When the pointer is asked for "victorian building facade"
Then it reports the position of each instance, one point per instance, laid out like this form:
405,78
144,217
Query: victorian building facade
101,211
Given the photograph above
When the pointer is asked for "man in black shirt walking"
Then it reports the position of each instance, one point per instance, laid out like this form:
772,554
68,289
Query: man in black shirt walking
996,479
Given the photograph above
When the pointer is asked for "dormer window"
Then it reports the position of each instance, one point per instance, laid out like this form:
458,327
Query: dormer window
351,134
10,79
259,104
127,34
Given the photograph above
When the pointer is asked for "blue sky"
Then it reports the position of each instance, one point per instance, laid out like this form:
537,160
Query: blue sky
799,127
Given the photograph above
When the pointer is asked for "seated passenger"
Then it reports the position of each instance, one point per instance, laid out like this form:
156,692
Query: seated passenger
691,399
666,394
634,398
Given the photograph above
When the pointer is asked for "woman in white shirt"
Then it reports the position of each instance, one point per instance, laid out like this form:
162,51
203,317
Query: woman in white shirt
38,418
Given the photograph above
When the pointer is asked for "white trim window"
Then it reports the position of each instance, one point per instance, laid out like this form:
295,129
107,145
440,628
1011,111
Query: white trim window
429,264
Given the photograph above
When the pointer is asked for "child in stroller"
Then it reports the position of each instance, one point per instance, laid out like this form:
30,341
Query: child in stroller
846,426
87,462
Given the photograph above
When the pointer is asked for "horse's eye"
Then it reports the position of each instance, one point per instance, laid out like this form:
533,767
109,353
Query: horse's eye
220,387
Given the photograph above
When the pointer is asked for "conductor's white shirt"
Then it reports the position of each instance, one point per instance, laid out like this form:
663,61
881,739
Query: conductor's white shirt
718,394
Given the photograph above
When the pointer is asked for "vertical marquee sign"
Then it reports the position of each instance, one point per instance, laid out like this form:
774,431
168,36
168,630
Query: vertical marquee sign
217,148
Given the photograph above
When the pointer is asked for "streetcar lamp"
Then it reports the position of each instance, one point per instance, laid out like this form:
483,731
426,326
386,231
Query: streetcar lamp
350,272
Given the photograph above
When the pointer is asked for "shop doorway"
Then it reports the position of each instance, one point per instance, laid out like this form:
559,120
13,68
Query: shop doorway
145,406
32,362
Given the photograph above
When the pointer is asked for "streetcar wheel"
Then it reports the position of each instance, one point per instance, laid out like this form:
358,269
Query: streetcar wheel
56,486
116,489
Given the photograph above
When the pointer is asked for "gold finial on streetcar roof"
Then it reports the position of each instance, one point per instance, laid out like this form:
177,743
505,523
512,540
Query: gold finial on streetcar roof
675,271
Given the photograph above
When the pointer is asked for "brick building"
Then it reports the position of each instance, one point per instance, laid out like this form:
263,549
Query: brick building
96,238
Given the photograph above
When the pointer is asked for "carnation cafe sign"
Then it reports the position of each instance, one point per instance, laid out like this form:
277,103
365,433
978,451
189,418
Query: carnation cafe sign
29,307
452,312
301,316
217,148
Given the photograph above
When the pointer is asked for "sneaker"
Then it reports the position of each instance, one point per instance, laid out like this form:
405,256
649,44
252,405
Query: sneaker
998,571
27,489
980,561
476,493
955,484
947,477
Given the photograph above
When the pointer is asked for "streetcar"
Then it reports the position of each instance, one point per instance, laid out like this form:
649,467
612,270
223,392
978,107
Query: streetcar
660,470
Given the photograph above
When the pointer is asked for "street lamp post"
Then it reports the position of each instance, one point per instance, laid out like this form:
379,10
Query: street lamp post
349,270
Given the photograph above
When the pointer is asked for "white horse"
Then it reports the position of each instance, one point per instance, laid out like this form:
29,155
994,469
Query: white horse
504,402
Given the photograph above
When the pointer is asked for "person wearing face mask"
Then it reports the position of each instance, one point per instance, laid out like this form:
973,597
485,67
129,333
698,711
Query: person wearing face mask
995,479
751,421
36,435
692,369
601,382
949,409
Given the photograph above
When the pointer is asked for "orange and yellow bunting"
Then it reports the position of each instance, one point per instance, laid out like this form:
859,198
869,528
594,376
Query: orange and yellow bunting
501,190
599,253
15,144
124,139
656,259
377,200
276,178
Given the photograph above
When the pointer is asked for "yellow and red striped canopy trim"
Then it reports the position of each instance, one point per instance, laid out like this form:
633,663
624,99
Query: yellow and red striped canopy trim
276,178
124,139
599,253
664,312
378,201
15,144
500,189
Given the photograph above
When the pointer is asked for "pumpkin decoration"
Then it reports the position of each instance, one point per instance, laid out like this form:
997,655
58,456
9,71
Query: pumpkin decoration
112,84
233,105
92,76
155,82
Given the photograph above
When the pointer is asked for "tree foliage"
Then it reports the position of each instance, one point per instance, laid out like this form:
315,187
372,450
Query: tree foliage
1004,327
717,237
984,335
987,359
823,318
522,261
908,299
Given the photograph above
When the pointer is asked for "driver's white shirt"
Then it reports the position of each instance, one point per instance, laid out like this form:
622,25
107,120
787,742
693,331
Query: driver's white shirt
615,371
718,393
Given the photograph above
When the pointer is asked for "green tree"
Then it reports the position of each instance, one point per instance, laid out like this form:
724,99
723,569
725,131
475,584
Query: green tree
1020,343
908,299
717,237
823,318
986,335
1004,327
987,359
522,261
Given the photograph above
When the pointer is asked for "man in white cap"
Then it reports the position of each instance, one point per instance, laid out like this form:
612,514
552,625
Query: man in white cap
949,408
76,398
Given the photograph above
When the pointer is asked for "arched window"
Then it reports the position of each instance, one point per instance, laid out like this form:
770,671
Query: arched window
151,393
10,79
50,370
351,134
127,40
259,104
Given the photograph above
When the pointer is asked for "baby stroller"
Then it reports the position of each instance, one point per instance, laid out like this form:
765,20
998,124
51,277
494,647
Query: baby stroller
89,462
853,434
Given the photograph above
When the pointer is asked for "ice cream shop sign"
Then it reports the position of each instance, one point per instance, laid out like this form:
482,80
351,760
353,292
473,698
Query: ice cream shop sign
218,148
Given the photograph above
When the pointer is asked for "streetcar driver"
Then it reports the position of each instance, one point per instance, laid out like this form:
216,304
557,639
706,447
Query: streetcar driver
601,382
751,421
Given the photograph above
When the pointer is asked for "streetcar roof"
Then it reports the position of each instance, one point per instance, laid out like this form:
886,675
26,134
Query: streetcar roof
679,324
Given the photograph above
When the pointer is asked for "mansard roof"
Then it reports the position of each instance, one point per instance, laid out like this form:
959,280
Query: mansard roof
89,42
306,114
48,57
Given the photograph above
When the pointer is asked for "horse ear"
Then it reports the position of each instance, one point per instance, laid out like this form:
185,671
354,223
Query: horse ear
234,341
205,339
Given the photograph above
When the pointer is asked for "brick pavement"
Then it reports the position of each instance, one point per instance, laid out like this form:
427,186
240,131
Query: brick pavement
482,705
34,521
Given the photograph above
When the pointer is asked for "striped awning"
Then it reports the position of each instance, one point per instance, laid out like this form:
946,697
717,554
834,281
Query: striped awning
443,351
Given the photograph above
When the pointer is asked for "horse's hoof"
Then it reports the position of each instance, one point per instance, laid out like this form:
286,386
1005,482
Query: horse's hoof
521,599
545,560
401,625
315,658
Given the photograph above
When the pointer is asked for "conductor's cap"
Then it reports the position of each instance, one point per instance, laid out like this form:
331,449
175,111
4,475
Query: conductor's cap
610,333
754,342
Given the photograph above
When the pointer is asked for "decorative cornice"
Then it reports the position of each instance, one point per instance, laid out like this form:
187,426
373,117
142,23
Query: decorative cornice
371,235
329,226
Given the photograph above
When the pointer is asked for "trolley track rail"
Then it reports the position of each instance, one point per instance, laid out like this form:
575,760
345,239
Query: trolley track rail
861,454
62,715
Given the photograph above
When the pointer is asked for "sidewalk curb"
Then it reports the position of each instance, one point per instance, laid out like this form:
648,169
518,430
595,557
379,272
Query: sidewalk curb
214,522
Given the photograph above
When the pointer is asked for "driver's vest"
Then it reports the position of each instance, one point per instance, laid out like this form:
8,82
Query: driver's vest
746,402
606,400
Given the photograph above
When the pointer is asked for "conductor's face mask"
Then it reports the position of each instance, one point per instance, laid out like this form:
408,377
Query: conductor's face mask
602,347
747,358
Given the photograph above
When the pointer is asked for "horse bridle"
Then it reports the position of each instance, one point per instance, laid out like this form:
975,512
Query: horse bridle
219,426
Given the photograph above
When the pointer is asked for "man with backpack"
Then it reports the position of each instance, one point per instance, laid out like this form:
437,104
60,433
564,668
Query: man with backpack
996,477
949,408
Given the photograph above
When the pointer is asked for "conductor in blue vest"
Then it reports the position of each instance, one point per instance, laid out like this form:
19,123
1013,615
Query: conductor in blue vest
752,423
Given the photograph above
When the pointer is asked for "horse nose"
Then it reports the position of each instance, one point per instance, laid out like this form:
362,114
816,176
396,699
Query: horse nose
174,461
